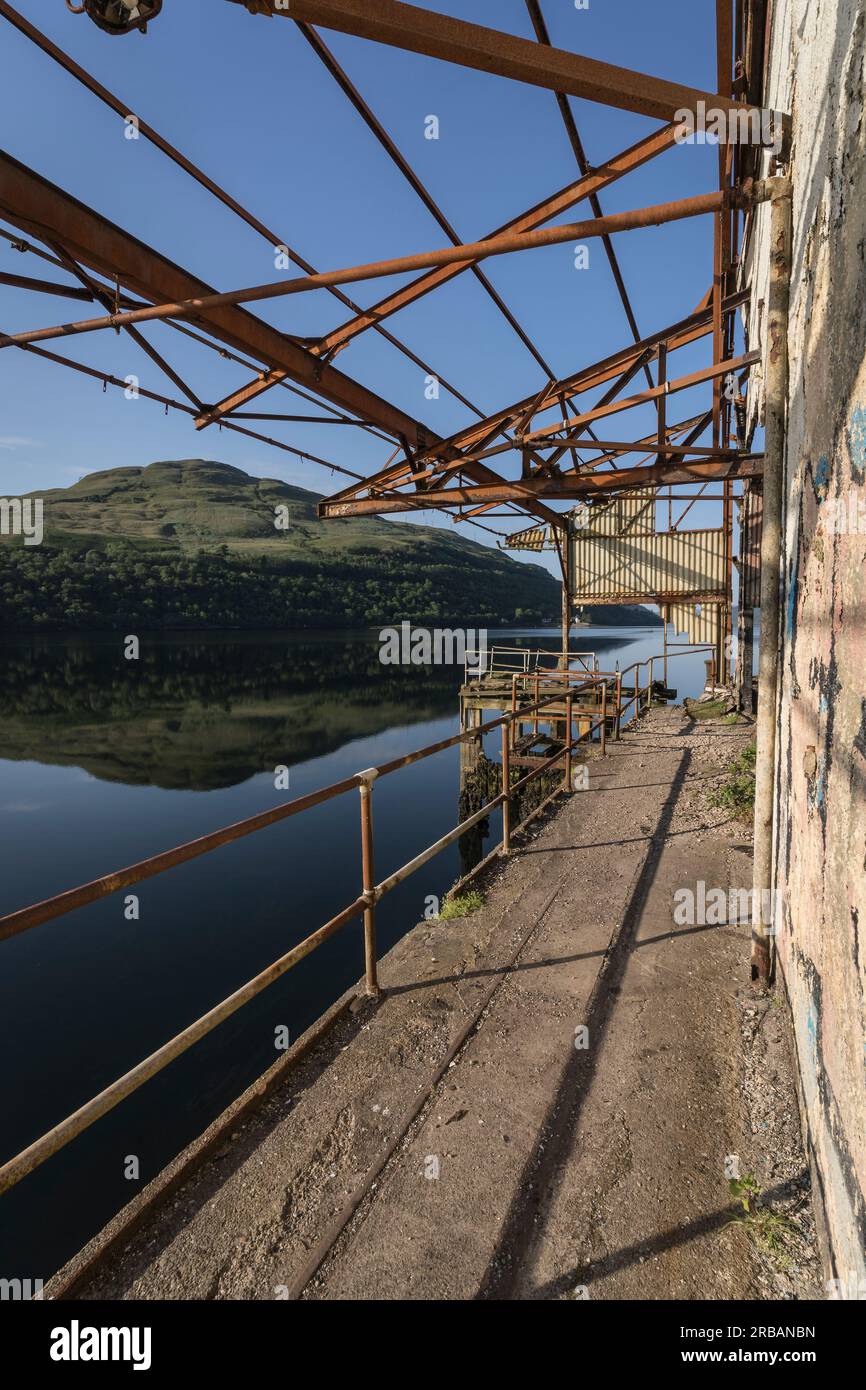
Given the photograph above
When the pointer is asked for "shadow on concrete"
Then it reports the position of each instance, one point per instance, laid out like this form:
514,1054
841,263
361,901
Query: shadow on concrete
524,1224
585,1275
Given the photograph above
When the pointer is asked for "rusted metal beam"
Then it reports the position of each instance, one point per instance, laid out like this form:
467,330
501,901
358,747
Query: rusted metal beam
623,365
487,50
53,287
205,304
122,109
562,444
478,471
668,450
103,297
42,209
662,398
677,335
682,383
72,292
108,380
692,429
564,488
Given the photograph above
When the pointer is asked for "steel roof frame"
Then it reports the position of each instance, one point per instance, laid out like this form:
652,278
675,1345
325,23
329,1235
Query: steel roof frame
136,285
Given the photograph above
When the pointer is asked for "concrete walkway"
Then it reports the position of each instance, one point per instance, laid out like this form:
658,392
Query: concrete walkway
533,1168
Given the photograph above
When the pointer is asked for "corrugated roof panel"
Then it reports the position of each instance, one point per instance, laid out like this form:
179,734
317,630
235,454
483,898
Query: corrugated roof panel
647,566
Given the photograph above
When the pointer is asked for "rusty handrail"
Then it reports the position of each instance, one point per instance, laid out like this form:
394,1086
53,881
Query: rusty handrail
521,661
62,903
61,1134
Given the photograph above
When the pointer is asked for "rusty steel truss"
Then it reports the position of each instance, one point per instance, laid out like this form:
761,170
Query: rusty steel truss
526,455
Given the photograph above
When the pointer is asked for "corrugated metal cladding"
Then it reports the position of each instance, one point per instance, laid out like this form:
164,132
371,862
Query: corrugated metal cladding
647,565
632,513
700,623
751,523
536,538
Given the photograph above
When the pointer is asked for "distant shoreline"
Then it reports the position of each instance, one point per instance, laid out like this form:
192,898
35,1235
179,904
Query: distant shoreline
332,634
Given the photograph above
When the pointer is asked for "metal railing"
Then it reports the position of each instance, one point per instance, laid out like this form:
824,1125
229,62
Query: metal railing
505,660
621,695
644,692
364,905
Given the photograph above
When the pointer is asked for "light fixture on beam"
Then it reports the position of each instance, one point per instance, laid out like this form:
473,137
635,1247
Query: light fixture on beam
118,16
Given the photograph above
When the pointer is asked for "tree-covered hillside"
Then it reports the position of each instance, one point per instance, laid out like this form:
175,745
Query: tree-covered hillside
197,544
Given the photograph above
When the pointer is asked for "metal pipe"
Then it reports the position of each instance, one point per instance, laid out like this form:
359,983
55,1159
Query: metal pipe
604,719
480,250
569,705
585,188
506,790
713,373
776,392
368,881
63,903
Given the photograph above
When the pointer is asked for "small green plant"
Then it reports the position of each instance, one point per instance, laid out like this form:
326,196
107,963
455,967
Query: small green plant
463,906
708,709
772,1233
737,793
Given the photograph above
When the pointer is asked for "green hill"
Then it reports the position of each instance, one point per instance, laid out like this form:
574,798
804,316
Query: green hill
195,504
195,544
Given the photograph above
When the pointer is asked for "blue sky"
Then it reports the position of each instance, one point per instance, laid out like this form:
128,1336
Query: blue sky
247,100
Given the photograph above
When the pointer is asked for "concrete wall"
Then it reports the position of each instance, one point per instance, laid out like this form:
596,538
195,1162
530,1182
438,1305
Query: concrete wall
816,71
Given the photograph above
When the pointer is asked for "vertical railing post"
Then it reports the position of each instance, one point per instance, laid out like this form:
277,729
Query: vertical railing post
604,719
618,729
506,790
569,719
535,722
368,880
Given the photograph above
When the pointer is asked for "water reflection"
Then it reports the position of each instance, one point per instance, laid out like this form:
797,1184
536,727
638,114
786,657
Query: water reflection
199,715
